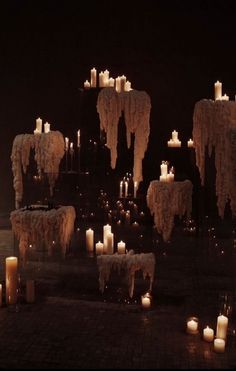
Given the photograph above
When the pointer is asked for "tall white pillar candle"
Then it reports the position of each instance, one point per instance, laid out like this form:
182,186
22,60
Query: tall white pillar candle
121,189
219,345
118,84
175,135
39,123
66,143
110,243
106,230
30,291
101,79
128,86
11,279
93,78
163,168
222,326
106,78
122,83
111,82
89,239
46,127
218,90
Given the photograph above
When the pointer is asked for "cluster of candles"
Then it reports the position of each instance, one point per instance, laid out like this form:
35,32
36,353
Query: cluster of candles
218,92
105,247
208,333
175,142
39,125
125,185
12,283
165,176
120,83
70,145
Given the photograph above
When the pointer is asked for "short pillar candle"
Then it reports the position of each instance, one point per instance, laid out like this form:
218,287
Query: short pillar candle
219,345
208,334
192,325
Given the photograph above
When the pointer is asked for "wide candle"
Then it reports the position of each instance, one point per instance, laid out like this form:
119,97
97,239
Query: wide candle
121,247
192,325
99,248
219,345
11,279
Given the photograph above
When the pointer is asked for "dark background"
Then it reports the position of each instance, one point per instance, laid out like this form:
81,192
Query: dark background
174,50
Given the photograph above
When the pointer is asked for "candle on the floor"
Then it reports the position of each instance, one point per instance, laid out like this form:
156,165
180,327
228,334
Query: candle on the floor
30,291
219,345
192,325
11,279
222,326
208,334
99,248
146,300
89,239
86,84
121,247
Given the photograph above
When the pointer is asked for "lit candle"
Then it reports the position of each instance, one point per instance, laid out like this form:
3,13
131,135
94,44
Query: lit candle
106,230
110,243
127,217
0,294
39,123
175,135
146,301
208,334
190,143
225,97
121,189
11,279
93,78
106,78
222,326
163,178
89,239
111,82
135,188
126,188
30,291
128,86
170,177
192,325
163,168
101,79
121,247
99,248
118,84
87,84
66,143
218,90
46,127
122,83
78,138
219,345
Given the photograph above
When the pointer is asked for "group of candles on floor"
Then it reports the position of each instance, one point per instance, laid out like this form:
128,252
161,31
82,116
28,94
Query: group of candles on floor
208,333
12,284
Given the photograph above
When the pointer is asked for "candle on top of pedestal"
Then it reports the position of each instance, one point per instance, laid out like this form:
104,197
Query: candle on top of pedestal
93,77
190,143
121,247
174,141
46,127
218,90
89,239
99,248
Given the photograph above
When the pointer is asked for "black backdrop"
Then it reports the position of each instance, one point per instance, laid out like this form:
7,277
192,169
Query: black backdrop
174,50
